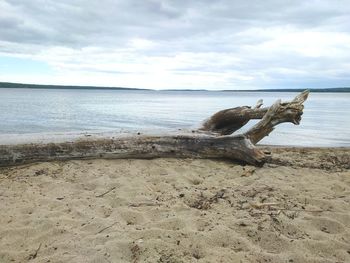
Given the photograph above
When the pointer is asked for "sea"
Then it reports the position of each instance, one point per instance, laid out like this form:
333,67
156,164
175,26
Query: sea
34,113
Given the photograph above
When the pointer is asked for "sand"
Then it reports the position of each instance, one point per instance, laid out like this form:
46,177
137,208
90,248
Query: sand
294,209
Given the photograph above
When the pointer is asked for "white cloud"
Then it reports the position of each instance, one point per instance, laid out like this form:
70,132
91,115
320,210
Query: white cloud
180,44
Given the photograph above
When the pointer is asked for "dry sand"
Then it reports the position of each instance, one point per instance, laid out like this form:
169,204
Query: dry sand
294,209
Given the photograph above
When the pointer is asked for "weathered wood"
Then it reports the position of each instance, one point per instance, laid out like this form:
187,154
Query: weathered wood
194,145
182,146
278,113
228,121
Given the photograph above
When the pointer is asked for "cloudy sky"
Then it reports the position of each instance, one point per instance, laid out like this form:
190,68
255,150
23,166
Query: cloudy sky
162,44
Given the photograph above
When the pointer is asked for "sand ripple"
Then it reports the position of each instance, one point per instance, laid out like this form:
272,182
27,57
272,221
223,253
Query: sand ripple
169,210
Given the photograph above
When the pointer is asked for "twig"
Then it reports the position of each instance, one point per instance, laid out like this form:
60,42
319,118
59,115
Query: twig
103,229
270,213
33,256
101,195
262,205
271,206
217,196
149,188
300,210
143,204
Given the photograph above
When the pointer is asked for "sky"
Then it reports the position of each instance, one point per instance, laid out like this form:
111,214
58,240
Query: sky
176,44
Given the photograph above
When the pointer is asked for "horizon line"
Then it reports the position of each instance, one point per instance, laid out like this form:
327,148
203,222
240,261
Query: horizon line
55,86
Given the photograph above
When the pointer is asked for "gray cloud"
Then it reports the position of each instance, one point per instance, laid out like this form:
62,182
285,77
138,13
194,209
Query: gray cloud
83,23
249,43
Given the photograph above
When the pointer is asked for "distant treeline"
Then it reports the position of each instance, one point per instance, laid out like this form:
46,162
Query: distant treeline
345,89
36,86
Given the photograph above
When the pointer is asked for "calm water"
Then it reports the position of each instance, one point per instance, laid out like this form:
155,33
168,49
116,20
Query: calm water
326,119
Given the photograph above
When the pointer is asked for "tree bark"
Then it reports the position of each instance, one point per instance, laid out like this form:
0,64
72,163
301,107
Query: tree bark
276,114
207,142
228,121
145,147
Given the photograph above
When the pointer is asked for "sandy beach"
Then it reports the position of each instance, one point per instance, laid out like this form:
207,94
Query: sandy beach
296,208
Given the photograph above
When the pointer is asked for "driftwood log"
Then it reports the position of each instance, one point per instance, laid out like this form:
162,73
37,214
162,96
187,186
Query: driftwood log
213,140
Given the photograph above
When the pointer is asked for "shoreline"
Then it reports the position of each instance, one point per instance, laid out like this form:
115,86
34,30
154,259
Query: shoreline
63,146
73,136
121,146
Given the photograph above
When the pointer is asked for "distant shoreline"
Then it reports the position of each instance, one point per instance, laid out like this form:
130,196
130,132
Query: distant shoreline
39,86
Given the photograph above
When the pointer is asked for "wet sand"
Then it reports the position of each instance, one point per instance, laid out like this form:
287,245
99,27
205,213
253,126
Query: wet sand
296,208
